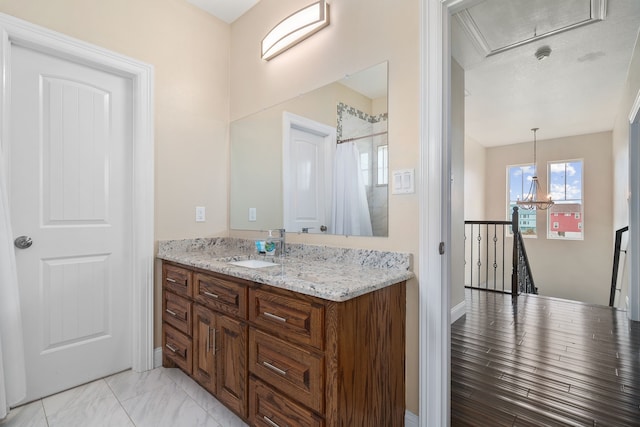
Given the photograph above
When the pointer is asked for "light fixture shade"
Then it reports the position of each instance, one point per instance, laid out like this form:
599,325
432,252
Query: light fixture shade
295,28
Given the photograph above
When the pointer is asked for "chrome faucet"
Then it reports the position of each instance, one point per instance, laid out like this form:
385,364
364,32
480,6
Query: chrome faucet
281,238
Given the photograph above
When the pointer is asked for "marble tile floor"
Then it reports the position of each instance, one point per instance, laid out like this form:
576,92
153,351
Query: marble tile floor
157,398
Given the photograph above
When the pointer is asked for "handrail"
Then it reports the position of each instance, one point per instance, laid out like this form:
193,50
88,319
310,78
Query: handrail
526,276
616,264
521,276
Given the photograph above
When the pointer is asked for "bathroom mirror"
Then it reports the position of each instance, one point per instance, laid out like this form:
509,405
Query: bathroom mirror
317,163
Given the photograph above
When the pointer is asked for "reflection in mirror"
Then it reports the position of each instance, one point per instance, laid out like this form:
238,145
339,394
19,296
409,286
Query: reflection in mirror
317,163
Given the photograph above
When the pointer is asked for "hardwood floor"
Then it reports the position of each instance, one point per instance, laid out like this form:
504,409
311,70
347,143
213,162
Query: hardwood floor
544,362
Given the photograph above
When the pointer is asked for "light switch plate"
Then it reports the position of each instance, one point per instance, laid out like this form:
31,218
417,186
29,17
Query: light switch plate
403,181
252,214
200,214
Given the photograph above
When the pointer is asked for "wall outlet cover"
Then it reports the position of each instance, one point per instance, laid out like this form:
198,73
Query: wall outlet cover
200,214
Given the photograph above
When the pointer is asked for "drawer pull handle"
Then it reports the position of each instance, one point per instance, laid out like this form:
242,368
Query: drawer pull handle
274,368
172,348
169,279
173,313
274,317
209,294
268,421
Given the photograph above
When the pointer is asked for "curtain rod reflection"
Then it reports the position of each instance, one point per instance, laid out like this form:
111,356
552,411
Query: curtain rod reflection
340,141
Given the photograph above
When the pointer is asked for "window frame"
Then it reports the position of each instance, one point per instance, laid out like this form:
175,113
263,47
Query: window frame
509,201
579,216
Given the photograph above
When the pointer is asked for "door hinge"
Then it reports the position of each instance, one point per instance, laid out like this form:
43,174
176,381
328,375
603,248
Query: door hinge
441,248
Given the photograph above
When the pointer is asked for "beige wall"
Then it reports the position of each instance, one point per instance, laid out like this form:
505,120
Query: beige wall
474,176
189,50
571,269
457,184
621,141
621,162
361,34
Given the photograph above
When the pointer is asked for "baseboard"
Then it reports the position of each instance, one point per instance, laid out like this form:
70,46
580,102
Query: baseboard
411,419
157,357
458,311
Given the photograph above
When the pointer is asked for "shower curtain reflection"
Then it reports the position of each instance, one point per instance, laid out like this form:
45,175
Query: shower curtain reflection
369,134
350,210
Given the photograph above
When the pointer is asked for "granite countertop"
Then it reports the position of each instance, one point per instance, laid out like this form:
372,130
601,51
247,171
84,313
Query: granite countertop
334,274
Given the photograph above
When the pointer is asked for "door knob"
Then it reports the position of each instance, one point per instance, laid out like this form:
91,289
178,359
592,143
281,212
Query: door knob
23,242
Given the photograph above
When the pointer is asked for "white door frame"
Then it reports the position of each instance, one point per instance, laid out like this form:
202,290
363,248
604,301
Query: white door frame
633,254
435,210
14,31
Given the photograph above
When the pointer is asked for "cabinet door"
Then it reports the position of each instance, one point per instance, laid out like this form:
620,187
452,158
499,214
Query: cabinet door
204,355
232,364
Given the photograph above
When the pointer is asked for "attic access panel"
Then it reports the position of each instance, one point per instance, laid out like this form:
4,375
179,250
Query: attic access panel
524,21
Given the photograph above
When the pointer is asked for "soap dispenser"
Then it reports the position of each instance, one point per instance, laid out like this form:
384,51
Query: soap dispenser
270,245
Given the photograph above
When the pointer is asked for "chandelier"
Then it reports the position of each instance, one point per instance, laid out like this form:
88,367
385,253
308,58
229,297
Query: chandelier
535,199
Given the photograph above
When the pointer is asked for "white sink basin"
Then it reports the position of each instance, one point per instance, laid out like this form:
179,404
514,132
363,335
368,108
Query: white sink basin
253,263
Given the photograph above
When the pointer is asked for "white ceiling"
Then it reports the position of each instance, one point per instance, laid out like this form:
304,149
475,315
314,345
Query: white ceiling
226,10
577,90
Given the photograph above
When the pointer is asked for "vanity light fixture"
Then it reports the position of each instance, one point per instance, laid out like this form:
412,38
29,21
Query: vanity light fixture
295,28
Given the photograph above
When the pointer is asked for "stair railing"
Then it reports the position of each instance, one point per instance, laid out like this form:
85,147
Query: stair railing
521,276
486,259
616,264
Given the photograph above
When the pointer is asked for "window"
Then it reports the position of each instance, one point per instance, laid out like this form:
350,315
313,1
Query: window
565,187
519,181
383,165
364,168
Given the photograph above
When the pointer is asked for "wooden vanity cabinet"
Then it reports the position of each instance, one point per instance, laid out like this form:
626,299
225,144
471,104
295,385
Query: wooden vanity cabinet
219,360
327,363
281,358
177,344
205,332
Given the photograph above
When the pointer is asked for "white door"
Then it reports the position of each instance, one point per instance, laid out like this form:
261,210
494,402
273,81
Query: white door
70,153
308,163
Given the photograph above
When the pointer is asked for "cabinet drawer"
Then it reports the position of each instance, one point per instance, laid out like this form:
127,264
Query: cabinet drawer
268,408
294,319
177,279
290,369
178,348
222,295
177,312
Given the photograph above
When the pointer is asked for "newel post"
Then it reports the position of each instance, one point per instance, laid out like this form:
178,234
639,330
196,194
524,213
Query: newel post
514,272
